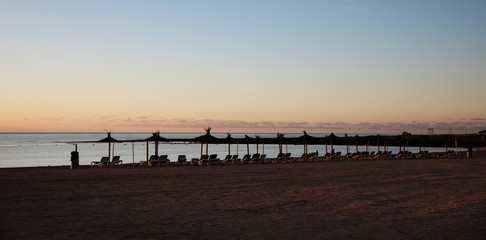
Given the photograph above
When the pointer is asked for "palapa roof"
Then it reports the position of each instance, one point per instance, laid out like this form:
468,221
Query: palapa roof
156,138
108,139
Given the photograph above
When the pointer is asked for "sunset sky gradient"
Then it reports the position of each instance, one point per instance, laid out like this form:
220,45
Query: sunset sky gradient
243,66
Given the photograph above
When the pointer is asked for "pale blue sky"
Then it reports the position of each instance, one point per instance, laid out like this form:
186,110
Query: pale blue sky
211,62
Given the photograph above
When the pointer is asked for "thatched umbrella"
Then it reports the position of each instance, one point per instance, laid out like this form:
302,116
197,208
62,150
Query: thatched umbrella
156,138
108,140
248,140
332,137
306,138
229,140
206,138
280,138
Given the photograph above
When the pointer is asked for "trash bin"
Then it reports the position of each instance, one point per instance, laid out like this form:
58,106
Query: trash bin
74,159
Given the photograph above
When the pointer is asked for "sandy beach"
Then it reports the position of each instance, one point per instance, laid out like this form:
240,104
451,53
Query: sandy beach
382,199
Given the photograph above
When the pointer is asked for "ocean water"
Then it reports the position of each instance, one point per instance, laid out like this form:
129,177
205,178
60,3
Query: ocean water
54,149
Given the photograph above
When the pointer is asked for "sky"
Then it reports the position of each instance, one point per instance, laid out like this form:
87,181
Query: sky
243,66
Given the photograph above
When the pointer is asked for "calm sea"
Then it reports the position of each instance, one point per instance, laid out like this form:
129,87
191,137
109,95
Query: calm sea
53,149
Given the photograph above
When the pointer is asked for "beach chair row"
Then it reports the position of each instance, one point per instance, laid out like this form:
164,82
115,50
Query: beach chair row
256,158
260,159
229,159
105,161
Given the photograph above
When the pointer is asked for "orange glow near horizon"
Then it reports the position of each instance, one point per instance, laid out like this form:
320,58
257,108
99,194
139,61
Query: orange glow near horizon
327,67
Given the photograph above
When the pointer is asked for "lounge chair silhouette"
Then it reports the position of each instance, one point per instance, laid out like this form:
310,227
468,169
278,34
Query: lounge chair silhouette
255,158
235,159
227,159
163,159
181,160
116,161
204,160
105,161
246,159
213,159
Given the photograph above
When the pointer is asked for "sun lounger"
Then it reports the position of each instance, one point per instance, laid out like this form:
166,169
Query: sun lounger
154,161
255,158
287,158
263,159
235,159
204,160
194,161
302,158
116,161
246,159
105,161
213,159
163,159
423,155
227,159
312,157
278,158
181,160
338,156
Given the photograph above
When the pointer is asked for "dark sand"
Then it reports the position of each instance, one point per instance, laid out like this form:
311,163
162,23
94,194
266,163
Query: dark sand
390,199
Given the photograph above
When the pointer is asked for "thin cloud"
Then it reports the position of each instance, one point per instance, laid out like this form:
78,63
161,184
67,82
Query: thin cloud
145,122
58,119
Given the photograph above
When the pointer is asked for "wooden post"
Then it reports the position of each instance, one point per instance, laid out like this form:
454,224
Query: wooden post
326,147
247,148
378,145
455,140
286,147
263,145
356,146
305,146
206,147
201,150
257,147
229,149
146,144
157,148
238,148
109,150
133,154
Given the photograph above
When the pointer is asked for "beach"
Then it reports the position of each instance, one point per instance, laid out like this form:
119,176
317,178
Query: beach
377,199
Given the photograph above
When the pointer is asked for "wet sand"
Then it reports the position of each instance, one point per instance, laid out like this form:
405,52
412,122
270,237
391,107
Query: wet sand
389,199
